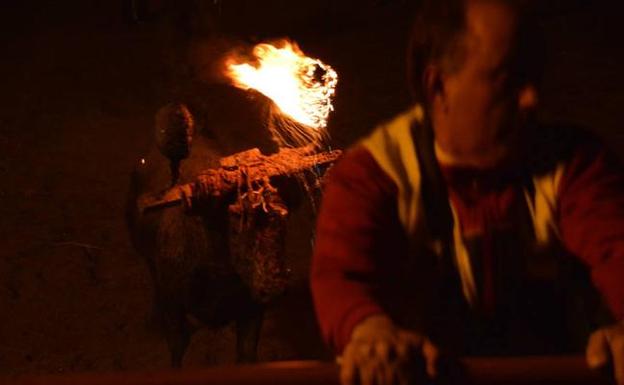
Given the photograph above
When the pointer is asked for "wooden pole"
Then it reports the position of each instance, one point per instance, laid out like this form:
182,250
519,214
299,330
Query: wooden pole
477,371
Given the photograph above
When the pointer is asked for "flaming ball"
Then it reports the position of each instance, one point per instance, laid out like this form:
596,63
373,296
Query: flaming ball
301,88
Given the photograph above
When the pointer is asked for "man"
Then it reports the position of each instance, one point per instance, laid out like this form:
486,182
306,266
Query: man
457,227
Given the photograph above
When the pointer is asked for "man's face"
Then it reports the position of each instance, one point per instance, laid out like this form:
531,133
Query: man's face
480,106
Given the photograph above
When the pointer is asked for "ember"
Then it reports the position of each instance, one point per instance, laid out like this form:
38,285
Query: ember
301,87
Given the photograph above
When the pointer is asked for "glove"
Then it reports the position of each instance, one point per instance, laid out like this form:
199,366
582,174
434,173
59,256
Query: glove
379,353
606,346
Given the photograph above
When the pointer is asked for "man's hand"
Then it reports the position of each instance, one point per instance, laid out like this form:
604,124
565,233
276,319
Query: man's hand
379,353
606,345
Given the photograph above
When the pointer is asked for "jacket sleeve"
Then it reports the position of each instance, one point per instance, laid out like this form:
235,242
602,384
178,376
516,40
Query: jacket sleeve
359,201
591,220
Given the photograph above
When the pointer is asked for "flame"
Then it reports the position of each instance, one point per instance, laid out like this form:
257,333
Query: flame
301,87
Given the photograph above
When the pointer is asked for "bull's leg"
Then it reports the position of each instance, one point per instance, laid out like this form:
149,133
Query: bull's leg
247,335
178,335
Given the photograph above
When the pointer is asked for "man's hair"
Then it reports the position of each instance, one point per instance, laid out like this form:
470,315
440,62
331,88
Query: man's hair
438,38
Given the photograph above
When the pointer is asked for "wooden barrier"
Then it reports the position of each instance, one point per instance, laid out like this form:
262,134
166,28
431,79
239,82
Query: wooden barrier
476,371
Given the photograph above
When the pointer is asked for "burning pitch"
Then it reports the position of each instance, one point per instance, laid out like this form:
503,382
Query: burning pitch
301,88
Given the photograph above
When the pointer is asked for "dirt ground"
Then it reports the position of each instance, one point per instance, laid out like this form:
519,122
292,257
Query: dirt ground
80,87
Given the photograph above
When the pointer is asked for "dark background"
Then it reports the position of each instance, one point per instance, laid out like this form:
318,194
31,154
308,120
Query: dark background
80,85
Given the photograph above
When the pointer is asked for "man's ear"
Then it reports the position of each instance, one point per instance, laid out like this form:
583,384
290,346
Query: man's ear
433,84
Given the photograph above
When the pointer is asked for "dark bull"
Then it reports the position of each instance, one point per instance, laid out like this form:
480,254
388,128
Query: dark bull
212,230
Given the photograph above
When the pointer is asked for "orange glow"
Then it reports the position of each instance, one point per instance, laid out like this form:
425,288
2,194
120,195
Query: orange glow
301,87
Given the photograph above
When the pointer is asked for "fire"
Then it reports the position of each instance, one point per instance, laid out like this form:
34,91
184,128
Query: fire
301,87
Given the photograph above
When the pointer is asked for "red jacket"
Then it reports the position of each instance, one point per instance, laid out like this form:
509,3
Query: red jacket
359,232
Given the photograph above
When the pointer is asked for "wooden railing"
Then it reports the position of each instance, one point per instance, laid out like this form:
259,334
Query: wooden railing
476,371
